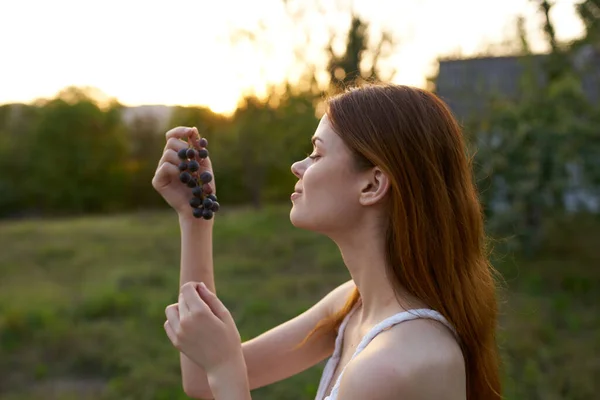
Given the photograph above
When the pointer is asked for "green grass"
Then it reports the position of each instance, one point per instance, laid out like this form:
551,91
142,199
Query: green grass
82,304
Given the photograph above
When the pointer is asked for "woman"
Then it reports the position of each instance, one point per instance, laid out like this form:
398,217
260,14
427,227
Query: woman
389,182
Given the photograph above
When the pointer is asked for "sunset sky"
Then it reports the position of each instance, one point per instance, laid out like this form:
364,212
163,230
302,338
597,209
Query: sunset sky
179,51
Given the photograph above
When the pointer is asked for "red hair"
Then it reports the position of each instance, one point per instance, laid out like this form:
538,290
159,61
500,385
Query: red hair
436,244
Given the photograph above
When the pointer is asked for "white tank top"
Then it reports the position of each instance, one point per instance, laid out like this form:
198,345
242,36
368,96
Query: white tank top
331,365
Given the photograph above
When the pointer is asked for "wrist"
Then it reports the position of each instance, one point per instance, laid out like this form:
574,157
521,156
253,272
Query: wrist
230,381
188,220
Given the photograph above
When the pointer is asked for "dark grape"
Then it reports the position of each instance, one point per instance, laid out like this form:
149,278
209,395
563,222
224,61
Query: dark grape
185,177
198,212
204,203
182,154
195,202
207,203
197,191
202,153
194,166
206,177
206,213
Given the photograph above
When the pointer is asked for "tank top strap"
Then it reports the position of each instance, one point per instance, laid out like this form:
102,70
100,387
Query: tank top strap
331,365
342,327
396,319
385,325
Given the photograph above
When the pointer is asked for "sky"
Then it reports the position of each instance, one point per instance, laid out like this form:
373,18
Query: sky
180,52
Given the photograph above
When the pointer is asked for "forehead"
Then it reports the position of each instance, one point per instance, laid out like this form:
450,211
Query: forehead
324,130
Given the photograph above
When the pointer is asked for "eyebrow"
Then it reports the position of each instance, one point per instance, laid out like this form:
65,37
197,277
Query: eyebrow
314,139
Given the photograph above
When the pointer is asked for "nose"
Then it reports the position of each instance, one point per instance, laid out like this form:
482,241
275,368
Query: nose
298,169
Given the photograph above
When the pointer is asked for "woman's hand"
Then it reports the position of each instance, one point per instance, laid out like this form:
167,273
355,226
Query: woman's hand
202,328
166,178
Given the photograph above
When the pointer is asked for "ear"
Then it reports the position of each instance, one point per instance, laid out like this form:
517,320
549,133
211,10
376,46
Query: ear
376,186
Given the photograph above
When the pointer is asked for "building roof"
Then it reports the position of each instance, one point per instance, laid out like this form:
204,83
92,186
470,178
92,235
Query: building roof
466,85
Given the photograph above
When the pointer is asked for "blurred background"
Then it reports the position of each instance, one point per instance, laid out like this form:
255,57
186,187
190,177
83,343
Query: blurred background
89,252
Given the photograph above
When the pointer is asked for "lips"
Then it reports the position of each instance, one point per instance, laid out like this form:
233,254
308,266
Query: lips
296,194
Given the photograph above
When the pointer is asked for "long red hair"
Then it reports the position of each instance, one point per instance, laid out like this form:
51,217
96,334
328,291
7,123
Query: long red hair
436,244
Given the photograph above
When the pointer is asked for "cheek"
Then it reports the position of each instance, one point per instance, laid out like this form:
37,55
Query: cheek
313,178
327,180
320,184
329,194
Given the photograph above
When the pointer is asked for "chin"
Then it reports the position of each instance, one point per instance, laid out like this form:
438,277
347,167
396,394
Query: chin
300,219
296,217
312,223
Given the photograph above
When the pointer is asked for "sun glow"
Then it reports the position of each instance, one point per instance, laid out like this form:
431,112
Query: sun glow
180,52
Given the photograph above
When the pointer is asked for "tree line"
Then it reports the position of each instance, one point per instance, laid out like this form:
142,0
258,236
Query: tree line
71,154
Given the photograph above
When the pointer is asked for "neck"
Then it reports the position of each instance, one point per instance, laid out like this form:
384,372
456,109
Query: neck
363,250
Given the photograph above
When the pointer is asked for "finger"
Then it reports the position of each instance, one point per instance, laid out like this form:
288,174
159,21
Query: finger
180,132
170,156
164,175
172,313
214,303
176,144
192,299
184,309
194,138
171,333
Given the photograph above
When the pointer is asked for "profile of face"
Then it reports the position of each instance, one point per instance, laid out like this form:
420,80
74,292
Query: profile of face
330,193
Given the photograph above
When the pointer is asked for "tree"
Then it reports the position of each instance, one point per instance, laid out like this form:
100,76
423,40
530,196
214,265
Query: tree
146,142
348,67
16,128
589,12
324,66
77,155
528,150
253,153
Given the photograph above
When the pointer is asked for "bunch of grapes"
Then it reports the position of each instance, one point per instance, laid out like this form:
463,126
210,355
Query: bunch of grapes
204,205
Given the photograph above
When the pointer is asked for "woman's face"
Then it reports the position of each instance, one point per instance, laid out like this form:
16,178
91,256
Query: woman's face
326,199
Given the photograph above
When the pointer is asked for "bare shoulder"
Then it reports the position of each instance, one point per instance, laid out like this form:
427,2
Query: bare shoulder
414,360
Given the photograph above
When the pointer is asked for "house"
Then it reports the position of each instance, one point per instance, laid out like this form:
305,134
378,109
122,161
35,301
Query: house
467,85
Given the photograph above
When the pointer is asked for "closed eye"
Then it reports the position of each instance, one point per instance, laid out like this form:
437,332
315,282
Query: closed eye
312,157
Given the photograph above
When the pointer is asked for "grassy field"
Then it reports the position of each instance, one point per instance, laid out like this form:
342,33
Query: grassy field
82,304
